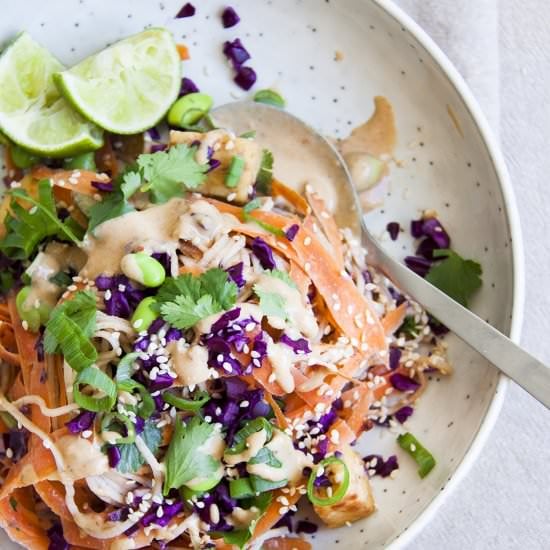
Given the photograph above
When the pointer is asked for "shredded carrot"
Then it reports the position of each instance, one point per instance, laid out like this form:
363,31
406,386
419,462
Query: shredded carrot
272,514
183,51
80,183
279,189
394,319
286,543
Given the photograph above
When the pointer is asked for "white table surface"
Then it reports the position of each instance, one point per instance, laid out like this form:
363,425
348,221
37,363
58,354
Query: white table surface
504,502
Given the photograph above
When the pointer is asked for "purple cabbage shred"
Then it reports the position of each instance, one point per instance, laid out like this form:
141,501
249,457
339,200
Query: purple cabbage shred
419,265
124,296
403,383
307,527
229,17
106,186
221,498
235,274
164,259
393,229
403,413
81,422
263,252
395,357
187,10
114,456
236,53
292,231
245,78
299,346
188,87
57,540
381,467
16,440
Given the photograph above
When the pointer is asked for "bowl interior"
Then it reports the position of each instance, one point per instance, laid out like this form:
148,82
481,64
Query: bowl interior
329,59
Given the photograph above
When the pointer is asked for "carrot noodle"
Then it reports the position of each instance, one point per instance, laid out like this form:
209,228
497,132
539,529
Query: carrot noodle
183,52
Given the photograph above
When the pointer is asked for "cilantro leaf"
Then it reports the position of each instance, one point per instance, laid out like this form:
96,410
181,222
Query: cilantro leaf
271,303
187,299
131,182
169,172
455,276
130,457
26,229
251,427
265,174
69,329
266,456
184,460
113,206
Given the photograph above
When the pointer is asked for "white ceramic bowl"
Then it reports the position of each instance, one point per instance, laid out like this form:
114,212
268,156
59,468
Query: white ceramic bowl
460,174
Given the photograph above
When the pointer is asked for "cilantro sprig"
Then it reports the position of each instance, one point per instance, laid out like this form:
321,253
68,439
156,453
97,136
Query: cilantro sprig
26,229
164,175
187,299
457,277
184,460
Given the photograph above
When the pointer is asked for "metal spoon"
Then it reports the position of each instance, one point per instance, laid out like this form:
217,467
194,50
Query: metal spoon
520,366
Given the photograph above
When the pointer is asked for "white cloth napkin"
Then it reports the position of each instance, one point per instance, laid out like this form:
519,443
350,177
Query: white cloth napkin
467,31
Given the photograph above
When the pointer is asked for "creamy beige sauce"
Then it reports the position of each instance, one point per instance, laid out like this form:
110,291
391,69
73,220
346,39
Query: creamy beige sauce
242,518
301,315
282,358
190,363
56,257
254,443
293,461
82,457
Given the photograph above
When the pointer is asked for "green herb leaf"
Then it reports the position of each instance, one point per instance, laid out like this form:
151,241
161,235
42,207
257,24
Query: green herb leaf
61,279
26,229
125,368
69,329
193,403
266,456
455,276
130,457
131,182
251,134
112,206
421,455
269,97
13,504
271,303
187,299
169,173
265,174
184,459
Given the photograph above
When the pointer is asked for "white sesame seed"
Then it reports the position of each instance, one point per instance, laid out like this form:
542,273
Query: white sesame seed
307,241
86,434
9,453
231,197
244,404
25,325
283,510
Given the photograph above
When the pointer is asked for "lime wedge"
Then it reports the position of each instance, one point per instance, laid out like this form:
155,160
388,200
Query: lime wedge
32,112
129,86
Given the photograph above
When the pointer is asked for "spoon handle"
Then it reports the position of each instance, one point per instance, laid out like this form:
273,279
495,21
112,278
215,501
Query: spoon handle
527,371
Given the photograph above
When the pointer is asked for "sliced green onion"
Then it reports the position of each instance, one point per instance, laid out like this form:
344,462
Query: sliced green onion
147,405
421,455
117,418
241,488
194,404
339,493
261,485
125,368
189,109
99,381
8,420
22,158
85,161
251,427
265,173
269,97
234,173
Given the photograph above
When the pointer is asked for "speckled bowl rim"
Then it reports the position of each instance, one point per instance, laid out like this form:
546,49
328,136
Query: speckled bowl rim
496,158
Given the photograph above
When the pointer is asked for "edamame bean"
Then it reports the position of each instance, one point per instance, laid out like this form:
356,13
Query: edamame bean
35,315
22,158
143,268
189,109
85,161
145,314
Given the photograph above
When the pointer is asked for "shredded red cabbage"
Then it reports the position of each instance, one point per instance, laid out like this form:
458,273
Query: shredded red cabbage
416,228
403,383
285,521
292,231
395,357
106,186
187,10
188,87
381,467
236,53
213,164
229,17
393,229
263,252
120,514
123,296
403,413
156,147
432,228
164,259
220,497
419,265
81,422
16,440
299,346
114,456
245,78
235,273
57,540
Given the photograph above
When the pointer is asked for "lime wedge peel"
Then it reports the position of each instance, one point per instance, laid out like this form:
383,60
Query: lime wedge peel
128,87
32,112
